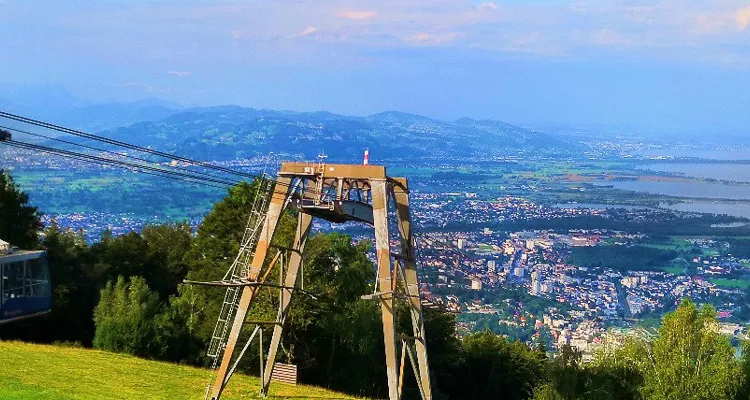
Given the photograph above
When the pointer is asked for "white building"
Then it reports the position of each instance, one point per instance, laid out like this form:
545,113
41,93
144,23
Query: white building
491,267
4,247
536,284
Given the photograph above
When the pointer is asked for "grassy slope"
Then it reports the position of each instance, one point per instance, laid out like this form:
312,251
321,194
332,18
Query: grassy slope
32,372
730,283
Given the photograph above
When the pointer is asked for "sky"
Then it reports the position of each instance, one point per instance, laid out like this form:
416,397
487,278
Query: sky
651,66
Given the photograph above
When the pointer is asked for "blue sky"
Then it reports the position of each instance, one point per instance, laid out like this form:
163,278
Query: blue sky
657,66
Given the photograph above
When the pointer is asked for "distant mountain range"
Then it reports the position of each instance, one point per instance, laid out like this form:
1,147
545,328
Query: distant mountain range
55,104
229,132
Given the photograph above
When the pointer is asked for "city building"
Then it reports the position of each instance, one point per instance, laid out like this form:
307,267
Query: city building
536,284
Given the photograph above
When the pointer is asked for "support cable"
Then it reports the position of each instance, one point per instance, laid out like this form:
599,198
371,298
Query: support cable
74,132
114,142
110,162
39,135
140,172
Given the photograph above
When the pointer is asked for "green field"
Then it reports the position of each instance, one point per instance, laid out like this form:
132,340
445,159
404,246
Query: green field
730,283
673,270
35,372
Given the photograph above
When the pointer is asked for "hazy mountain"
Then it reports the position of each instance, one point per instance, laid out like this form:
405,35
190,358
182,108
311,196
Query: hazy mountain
55,104
101,117
38,100
229,131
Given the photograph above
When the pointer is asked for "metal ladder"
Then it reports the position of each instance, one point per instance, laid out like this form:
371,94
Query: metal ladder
239,269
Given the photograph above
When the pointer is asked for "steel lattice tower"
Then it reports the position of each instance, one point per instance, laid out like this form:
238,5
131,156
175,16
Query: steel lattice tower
336,193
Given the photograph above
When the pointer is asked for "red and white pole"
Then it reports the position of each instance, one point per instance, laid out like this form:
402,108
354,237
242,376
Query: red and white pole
366,161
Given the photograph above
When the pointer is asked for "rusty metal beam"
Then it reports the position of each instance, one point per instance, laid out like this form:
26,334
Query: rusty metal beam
304,223
275,209
411,283
351,171
385,281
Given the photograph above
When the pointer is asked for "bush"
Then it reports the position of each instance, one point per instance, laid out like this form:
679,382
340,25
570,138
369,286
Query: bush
128,319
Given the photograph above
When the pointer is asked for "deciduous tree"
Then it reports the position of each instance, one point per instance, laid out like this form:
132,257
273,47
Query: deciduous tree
128,319
19,222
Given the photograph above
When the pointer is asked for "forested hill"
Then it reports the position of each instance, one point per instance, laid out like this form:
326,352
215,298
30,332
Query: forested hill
230,132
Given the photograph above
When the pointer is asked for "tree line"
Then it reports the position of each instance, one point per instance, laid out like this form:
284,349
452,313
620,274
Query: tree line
125,294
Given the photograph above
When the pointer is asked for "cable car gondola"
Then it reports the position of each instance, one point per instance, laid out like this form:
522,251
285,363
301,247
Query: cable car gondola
24,284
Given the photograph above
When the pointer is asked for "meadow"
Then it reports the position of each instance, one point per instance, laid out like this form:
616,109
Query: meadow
35,372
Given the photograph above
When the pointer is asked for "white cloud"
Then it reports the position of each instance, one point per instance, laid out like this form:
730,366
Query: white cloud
710,23
664,29
181,74
430,39
308,31
487,6
357,15
743,17
607,37
144,87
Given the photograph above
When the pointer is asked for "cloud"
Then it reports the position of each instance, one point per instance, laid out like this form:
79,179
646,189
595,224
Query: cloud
181,74
606,37
144,87
357,15
487,6
308,31
430,39
662,29
710,23
743,18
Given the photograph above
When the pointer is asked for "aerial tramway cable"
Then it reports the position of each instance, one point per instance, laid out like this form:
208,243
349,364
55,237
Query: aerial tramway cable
105,161
108,164
39,135
114,142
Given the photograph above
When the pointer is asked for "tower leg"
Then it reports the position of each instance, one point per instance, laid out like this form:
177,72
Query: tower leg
385,282
401,198
275,208
303,229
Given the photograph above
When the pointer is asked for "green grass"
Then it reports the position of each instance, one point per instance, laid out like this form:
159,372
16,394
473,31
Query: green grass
730,283
35,372
661,246
674,243
673,270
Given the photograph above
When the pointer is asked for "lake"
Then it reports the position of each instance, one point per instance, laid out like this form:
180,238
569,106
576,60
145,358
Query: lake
721,171
683,189
709,195
739,153
597,206
741,210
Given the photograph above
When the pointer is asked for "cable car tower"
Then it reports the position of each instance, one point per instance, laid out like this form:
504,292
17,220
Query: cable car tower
337,193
